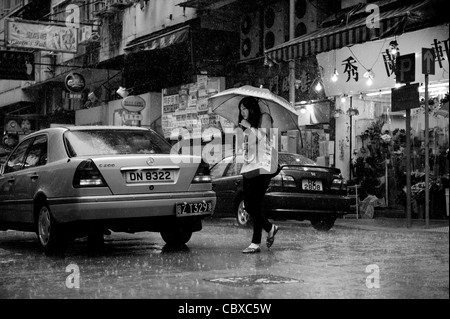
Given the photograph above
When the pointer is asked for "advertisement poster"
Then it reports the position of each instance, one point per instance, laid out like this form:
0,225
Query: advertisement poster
186,106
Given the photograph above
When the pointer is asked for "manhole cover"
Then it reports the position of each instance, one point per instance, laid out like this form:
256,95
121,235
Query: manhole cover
242,281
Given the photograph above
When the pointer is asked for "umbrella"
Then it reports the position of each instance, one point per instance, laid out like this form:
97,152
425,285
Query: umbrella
226,103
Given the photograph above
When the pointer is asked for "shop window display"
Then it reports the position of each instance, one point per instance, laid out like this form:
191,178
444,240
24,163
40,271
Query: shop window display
382,157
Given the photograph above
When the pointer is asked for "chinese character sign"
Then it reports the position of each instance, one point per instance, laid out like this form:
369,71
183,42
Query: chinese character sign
378,58
351,69
41,36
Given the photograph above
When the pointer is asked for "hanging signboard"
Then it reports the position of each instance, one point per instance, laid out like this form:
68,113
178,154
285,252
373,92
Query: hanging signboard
353,63
41,36
133,103
75,82
406,68
405,97
428,58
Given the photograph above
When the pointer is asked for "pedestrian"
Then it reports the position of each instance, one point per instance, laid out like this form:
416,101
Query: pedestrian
251,118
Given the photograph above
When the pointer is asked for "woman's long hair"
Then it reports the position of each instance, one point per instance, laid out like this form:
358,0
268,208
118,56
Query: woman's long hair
251,104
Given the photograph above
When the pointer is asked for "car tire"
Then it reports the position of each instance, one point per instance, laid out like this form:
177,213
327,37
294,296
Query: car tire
49,233
242,217
323,224
176,237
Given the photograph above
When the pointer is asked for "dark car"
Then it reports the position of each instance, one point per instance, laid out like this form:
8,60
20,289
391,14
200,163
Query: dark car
302,191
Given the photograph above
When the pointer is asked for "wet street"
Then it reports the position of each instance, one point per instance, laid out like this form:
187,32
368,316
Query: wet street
302,264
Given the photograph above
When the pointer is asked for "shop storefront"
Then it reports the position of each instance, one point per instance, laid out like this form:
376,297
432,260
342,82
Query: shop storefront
370,137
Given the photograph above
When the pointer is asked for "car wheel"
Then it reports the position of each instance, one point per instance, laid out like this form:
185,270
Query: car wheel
49,233
323,224
242,217
176,237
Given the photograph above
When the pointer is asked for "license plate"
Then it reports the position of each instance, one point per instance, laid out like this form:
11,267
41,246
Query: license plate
149,176
198,208
312,185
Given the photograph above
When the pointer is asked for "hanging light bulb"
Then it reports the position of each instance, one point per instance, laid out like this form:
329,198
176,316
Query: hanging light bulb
334,77
318,87
343,98
303,109
393,47
369,75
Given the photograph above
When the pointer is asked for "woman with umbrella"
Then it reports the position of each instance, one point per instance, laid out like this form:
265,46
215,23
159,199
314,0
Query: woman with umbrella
251,119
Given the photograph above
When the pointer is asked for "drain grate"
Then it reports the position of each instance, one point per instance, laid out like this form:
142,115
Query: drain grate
251,280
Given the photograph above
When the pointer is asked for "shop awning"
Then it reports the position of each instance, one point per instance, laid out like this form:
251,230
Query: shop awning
158,42
205,4
392,22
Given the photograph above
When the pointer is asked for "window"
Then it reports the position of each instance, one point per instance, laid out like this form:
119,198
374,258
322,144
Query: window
218,169
109,142
37,155
234,169
15,161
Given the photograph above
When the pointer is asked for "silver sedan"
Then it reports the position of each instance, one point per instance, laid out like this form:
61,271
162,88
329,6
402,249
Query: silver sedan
69,182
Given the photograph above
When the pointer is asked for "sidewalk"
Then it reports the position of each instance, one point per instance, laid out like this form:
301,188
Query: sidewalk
379,223
441,226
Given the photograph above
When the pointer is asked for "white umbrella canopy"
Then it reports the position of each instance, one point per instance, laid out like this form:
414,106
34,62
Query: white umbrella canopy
226,104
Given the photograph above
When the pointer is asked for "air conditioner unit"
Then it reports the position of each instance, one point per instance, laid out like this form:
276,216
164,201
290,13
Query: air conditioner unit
276,24
306,18
250,36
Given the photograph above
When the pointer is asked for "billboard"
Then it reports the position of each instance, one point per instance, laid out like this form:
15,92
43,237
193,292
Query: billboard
41,36
16,65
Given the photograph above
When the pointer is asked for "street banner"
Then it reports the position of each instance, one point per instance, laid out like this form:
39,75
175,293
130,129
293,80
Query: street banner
41,36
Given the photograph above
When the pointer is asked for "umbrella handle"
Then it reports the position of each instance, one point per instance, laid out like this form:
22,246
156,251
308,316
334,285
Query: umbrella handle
245,156
245,151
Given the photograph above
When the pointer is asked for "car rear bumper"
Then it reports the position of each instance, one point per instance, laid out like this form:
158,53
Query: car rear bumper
97,208
305,206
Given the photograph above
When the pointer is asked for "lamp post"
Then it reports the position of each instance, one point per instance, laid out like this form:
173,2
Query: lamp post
351,129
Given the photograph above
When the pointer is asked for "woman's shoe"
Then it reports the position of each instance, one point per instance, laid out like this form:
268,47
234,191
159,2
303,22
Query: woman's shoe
271,239
251,250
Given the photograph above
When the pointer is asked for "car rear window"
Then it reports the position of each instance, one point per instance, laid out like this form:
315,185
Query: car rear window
111,142
284,158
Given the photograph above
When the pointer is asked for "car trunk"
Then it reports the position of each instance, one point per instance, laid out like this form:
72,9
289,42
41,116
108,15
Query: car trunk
312,179
143,174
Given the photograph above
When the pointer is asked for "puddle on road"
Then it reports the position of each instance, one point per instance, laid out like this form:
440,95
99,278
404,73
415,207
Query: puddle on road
251,280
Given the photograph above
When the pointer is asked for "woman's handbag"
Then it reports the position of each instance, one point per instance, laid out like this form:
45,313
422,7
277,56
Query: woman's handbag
260,158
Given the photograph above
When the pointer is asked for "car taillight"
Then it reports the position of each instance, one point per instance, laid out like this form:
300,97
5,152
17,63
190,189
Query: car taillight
282,180
288,181
339,183
88,175
203,174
